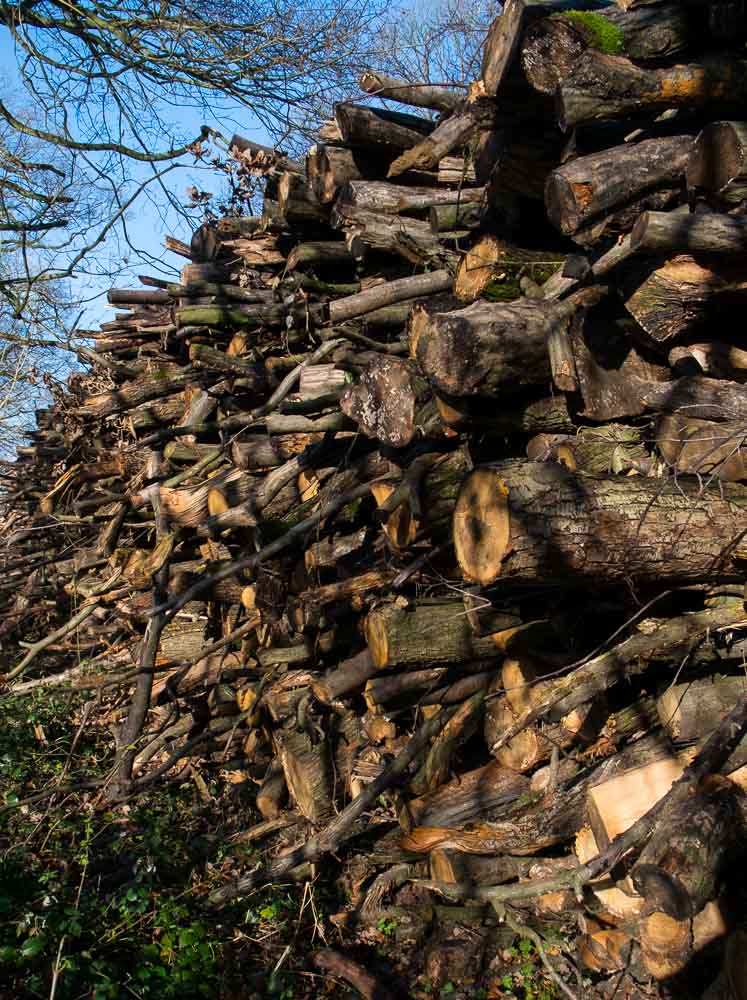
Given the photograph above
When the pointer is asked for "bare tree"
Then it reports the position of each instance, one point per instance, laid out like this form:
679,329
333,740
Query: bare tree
437,42
89,124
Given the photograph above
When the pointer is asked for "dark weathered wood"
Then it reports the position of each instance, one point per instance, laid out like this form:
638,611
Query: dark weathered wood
691,711
530,522
392,199
515,158
319,252
380,128
446,137
680,870
413,239
475,795
718,162
718,359
133,394
491,348
384,402
605,86
456,216
591,186
551,47
429,632
419,95
507,31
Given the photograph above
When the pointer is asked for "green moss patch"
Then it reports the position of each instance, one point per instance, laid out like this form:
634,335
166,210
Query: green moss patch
599,32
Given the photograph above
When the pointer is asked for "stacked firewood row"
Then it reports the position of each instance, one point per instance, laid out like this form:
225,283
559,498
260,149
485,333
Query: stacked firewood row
429,482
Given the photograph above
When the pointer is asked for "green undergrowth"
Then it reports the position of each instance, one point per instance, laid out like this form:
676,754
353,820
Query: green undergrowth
111,902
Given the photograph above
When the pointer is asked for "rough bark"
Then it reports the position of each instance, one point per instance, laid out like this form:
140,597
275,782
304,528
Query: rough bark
579,192
541,522
606,86
380,128
491,348
684,295
552,47
657,232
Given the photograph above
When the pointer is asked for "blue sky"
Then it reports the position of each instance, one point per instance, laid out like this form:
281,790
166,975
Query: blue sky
150,219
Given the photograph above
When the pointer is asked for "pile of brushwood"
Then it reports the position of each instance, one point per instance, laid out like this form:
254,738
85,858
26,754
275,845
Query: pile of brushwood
418,505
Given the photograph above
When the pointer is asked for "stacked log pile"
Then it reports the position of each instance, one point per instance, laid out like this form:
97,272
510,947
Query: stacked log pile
429,483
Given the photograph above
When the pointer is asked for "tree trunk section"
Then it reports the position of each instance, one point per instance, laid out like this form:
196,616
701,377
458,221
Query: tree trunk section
539,522
584,189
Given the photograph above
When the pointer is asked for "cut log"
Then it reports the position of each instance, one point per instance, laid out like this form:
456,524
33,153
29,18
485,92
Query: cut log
491,348
428,632
393,199
596,451
718,163
308,772
399,290
691,711
347,677
321,252
529,522
506,33
717,359
684,295
605,86
328,168
552,47
419,95
476,869
379,128
448,136
581,191
297,202
384,402
616,804
410,238
679,872
272,792
473,796
657,232
131,394
614,377
495,268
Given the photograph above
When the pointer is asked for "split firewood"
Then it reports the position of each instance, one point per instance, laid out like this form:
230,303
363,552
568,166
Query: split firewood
718,163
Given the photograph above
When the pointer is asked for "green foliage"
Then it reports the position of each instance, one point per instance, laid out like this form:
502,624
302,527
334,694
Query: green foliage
118,894
387,926
598,30
528,981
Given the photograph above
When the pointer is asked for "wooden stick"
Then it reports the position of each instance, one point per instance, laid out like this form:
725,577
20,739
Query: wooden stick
341,827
